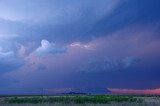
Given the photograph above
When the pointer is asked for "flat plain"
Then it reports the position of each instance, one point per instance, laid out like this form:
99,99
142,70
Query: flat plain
80,100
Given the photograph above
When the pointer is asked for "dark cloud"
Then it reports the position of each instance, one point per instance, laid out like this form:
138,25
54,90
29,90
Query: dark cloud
68,21
55,20
108,64
128,61
8,62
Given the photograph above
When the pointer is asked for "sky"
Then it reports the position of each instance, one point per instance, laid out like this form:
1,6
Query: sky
86,46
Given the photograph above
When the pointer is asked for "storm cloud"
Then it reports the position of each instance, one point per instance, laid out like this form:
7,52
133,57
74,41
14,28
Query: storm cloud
85,45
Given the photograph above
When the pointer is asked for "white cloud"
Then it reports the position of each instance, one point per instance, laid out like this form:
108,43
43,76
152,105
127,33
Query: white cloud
4,55
80,45
48,48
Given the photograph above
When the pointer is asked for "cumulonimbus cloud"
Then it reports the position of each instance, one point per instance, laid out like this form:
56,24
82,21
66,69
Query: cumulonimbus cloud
48,48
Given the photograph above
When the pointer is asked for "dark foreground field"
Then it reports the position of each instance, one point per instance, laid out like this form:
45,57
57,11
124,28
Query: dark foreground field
80,100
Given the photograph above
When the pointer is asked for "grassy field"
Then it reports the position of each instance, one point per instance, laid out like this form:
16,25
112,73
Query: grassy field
80,100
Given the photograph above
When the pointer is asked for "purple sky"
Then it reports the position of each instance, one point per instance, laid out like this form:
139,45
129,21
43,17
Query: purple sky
79,45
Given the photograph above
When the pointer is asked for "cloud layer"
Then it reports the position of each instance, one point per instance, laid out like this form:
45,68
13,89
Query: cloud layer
9,62
134,91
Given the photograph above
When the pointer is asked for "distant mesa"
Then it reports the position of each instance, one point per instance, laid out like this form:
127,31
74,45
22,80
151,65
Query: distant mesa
75,93
89,90
79,90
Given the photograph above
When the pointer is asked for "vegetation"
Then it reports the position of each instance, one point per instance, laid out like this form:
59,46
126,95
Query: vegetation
78,99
